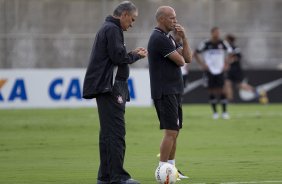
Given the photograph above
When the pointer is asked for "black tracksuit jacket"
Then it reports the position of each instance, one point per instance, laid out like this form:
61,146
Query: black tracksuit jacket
107,54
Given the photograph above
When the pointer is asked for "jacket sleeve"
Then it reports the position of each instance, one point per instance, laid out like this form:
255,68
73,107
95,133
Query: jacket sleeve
116,48
134,57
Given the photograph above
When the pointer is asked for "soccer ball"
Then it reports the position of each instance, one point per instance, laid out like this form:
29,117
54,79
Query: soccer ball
166,174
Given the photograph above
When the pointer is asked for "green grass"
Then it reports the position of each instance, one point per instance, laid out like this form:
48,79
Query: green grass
61,145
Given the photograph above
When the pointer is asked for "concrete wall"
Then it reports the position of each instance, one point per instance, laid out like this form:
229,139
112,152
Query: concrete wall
60,33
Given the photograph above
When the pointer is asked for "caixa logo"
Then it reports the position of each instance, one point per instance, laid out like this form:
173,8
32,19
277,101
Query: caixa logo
60,90
16,92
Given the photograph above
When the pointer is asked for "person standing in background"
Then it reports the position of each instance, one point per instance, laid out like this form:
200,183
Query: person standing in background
235,74
214,63
106,80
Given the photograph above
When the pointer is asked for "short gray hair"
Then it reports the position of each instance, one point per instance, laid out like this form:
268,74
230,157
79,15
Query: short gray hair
125,6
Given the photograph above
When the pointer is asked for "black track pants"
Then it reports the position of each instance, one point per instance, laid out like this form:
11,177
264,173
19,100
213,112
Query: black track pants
111,108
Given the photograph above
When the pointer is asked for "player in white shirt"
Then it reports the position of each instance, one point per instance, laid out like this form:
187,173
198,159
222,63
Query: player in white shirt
215,53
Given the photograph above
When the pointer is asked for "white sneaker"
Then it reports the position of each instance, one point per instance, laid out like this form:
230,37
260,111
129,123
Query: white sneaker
225,115
215,116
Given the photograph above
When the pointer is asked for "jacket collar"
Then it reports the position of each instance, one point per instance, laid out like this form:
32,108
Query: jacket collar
113,20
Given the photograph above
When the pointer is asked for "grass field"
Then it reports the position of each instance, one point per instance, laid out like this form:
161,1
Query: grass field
61,145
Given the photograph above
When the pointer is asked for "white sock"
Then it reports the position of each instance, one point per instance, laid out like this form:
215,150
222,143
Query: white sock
161,163
172,162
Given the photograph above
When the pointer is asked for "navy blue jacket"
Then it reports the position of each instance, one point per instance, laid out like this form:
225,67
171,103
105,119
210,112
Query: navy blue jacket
107,54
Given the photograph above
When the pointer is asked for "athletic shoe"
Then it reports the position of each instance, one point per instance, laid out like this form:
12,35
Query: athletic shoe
225,115
215,116
263,98
130,181
181,175
102,182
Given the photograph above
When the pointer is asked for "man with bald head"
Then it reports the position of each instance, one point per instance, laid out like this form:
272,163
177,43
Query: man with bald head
166,57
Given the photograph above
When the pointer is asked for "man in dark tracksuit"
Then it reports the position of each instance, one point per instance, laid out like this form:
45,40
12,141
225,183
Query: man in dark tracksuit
106,80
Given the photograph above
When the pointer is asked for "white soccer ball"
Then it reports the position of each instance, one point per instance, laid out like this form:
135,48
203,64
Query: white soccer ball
166,174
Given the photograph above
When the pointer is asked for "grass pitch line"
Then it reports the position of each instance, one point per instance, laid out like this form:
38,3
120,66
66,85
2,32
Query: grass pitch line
251,182
246,182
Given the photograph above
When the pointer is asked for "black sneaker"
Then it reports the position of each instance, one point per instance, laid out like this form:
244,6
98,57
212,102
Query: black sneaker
130,181
102,182
181,175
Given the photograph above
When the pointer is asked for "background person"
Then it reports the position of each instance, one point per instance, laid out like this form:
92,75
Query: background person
214,63
235,74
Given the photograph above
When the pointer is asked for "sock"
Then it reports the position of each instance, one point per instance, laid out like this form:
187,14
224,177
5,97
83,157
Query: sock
257,93
172,162
213,103
161,163
224,103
